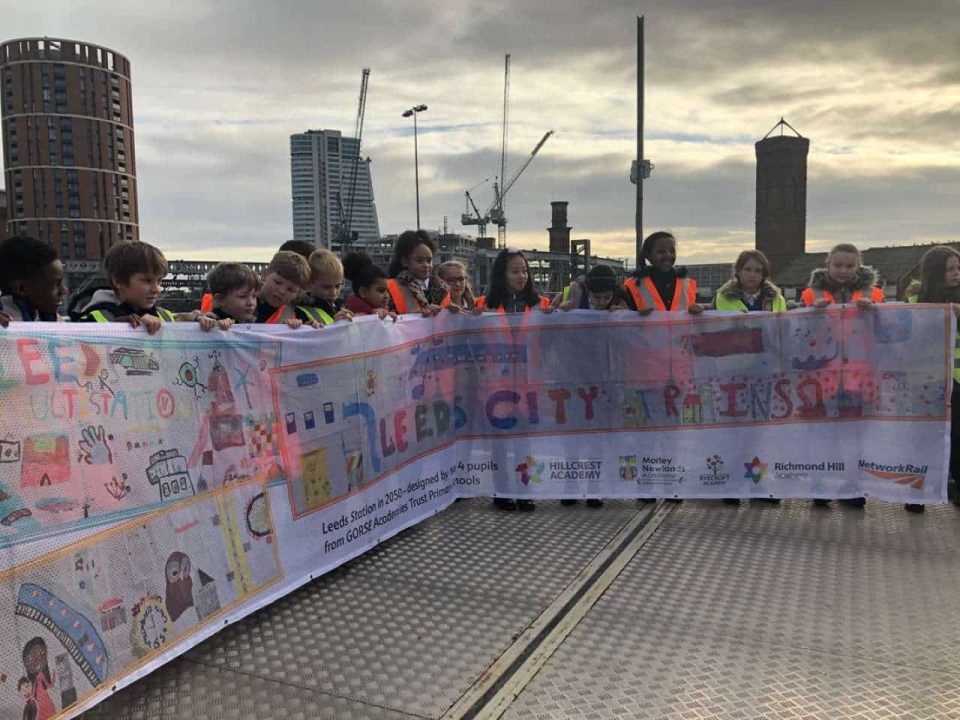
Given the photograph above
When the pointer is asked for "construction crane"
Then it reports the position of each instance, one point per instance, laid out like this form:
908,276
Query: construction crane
496,215
346,213
475,218
498,196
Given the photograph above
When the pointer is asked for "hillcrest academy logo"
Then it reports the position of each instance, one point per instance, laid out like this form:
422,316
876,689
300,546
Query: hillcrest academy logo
628,468
756,470
530,471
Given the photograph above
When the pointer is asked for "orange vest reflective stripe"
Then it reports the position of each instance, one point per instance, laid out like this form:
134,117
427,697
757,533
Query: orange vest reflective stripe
645,294
399,298
809,296
281,315
481,304
206,303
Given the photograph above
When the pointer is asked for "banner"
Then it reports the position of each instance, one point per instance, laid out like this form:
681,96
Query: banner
154,489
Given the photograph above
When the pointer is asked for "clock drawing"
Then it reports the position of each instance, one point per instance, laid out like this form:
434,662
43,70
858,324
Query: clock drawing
151,626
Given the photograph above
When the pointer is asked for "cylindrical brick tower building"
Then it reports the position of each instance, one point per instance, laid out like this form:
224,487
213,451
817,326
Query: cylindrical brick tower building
68,148
781,222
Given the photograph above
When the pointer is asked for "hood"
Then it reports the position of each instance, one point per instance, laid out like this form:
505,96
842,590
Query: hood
866,279
912,289
98,297
732,289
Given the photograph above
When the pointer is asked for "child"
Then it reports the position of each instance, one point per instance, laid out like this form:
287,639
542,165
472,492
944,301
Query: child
135,271
460,295
597,290
657,284
940,283
512,290
750,288
414,288
31,279
284,279
371,295
511,286
843,280
323,304
233,289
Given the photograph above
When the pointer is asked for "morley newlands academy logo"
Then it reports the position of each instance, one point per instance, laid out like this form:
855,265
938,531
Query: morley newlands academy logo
901,473
716,475
628,468
756,470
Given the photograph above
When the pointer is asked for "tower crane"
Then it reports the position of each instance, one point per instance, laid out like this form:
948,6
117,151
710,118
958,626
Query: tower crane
346,214
476,218
496,215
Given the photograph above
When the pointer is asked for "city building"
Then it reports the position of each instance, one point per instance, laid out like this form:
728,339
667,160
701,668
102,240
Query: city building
68,145
3,215
332,191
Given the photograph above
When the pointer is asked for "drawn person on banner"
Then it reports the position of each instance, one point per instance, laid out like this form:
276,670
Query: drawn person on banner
25,688
41,679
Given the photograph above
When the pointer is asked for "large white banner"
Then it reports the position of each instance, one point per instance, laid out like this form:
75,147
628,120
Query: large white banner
154,489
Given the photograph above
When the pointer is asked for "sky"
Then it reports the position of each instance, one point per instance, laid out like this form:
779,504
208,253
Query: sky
219,87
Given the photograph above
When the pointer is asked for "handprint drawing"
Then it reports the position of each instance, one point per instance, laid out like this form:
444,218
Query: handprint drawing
93,446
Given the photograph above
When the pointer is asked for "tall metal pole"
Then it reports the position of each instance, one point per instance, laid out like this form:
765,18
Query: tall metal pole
416,167
640,72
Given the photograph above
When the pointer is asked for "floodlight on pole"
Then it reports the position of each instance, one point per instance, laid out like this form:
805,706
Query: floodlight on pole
412,112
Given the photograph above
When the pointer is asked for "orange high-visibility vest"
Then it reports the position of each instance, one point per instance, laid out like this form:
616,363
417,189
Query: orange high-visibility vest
544,303
281,315
206,303
645,294
809,296
399,298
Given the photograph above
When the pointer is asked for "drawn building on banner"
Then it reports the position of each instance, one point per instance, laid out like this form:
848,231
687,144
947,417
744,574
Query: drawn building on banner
207,600
168,470
112,614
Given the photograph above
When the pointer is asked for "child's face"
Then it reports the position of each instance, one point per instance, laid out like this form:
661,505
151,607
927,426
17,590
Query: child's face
277,291
420,262
376,293
240,303
517,273
456,280
45,291
141,291
601,300
951,275
326,285
842,267
750,275
664,254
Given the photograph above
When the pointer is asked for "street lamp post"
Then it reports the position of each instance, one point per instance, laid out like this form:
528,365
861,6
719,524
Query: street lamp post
416,162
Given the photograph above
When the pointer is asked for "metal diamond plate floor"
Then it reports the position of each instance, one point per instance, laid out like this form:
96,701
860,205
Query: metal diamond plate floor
761,611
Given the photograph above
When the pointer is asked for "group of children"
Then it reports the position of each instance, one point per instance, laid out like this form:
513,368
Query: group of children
303,286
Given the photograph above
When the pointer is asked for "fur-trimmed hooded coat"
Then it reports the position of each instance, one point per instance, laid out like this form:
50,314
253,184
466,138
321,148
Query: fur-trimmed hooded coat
865,281
730,296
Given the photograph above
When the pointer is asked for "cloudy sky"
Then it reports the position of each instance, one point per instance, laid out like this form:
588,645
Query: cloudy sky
219,87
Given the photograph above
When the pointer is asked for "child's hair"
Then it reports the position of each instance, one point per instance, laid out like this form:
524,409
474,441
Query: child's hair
126,259
23,258
648,244
228,276
600,279
291,266
360,270
498,281
933,267
324,261
445,269
405,245
757,255
300,247
845,248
